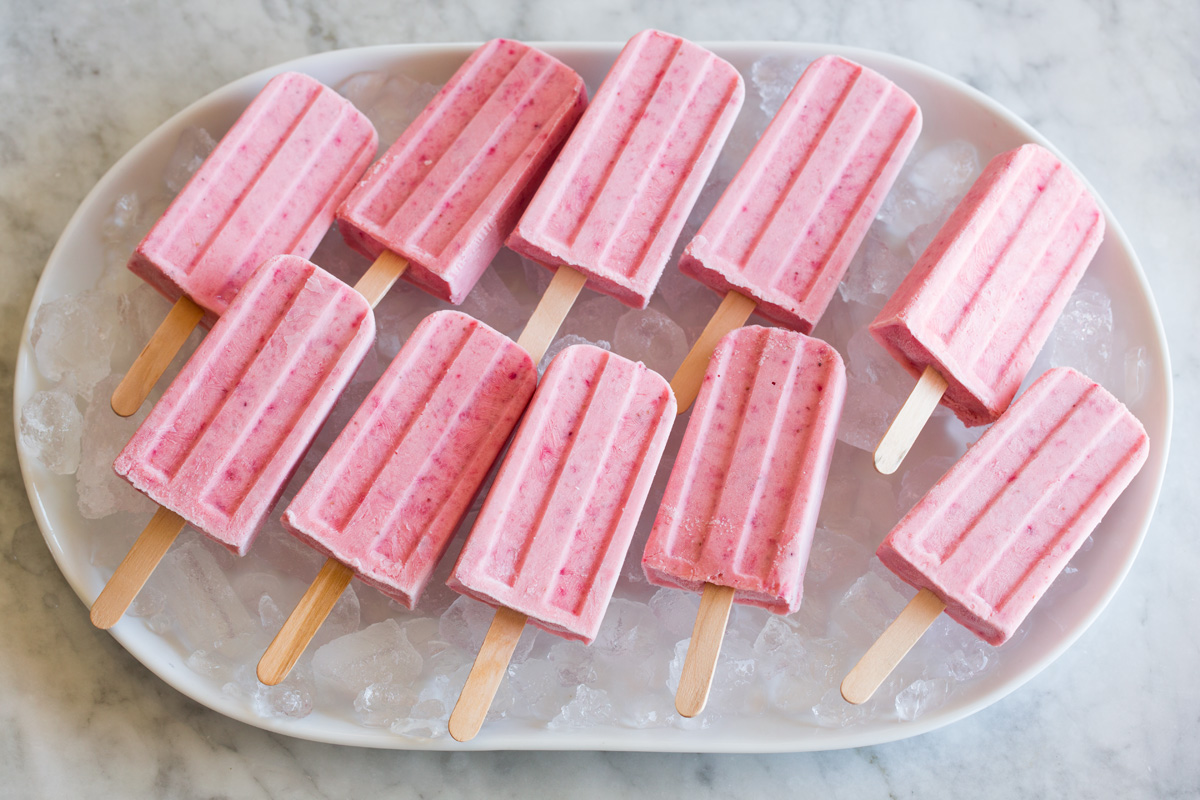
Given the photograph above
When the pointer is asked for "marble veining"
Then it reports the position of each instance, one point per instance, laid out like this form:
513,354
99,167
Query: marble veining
1116,86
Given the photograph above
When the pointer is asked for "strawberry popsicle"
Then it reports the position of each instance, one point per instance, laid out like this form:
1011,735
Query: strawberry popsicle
219,447
386,499
270,187
450,189
553,532
617,197
986,542
784,231
740,509
971,316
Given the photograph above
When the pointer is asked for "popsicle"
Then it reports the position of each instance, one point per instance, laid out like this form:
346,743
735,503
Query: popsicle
615,200
740,509
384,502
450,189
986,542
971,316
270,187
553,532
218,448
785,229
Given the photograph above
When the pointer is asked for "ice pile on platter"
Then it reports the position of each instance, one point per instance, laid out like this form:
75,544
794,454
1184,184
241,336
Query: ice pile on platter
387,667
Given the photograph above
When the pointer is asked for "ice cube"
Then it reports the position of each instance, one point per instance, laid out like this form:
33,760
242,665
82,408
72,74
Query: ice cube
101,492
192,147
379,653
51,428
589,708
72,338
379,705
203,603
1083,336
650,336
921,696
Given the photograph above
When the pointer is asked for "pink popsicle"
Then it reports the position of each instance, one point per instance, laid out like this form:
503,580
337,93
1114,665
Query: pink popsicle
741,504
988,540
232,427
787,226
270,187
985,294
550,540
450,189
617,197
388,496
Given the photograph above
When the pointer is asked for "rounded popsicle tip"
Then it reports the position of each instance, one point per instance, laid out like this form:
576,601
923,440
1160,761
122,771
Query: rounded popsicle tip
855,690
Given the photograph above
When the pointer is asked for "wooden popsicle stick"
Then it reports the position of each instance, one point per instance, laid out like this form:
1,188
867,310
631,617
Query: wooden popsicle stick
554,306
891,647
703,649
733,312
376,281
305,620
135,569
909,422
156,356
486,673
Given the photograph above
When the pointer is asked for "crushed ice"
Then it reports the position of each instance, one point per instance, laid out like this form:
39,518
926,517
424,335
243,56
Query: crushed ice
390,668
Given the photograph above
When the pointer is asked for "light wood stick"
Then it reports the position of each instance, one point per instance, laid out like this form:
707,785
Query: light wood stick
135,569
376,281
733,312
703,649
560,295
304,622
489,668
156,356
891,647
909,422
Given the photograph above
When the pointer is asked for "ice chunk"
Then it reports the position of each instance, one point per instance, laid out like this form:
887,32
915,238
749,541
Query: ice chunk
1083,335
379,705
928,187
379,653
101,492
51,429
203,603
72,338
589,708
650,336
920,697
192,147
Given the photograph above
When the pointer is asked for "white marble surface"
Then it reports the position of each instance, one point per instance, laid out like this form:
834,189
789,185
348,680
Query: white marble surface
1116,86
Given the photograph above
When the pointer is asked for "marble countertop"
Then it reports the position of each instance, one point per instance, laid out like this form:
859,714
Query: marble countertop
1116,86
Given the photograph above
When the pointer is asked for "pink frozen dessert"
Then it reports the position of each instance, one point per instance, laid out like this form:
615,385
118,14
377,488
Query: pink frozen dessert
787,226
554,529
450,189
741,505
269,188
981,300
618,196
231,428
388,496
